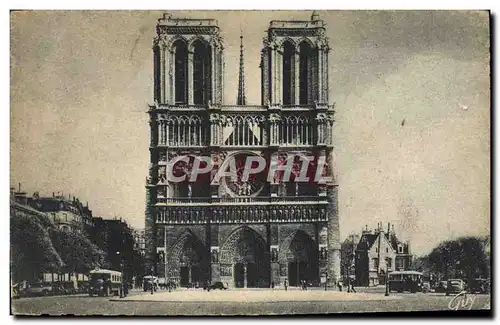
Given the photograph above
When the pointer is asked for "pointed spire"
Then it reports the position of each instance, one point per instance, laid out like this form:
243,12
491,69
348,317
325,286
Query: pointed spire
241,82
314,16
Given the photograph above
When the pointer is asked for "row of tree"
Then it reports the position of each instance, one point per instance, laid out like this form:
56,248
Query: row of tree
38,246
465,258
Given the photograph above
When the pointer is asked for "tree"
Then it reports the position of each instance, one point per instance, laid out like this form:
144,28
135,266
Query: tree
31,248
464,257
77,251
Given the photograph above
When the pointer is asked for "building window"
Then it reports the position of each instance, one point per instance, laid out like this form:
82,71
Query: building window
375,263
389,263
387,249
288,64
181,59
376,250
201,73
400,249
305,73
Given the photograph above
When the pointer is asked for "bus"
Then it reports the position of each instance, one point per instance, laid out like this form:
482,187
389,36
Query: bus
105,283
405,281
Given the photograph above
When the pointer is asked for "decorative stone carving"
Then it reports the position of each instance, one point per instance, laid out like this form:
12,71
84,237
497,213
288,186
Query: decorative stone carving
283,270
162,156
274,254
323,254
274,118
215,255
214,118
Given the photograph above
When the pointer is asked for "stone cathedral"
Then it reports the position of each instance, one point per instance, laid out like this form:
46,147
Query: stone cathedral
255,233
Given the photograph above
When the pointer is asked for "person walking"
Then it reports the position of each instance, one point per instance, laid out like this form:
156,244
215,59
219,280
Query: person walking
352,286
286,284
339,285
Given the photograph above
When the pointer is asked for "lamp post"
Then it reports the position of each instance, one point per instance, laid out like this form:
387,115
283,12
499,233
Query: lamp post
152,280
386,282
122,288
326,281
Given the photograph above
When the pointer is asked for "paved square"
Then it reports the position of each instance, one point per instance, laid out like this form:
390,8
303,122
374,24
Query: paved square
245,296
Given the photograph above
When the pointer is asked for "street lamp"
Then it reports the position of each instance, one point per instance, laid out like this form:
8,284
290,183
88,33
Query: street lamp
122,292
152,280
386,282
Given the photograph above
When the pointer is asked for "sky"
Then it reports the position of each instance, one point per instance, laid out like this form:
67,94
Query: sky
411,92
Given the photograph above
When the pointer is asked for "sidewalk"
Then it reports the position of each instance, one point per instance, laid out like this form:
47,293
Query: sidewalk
244,295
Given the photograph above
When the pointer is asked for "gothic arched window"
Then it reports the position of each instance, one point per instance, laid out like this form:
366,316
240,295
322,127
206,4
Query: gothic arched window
288,65
157,76
305,73
201,73
181,60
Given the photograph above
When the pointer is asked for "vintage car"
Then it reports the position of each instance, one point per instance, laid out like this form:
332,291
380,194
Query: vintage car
479,286
455,286
426,287
149,282
217,285
40,289
441,287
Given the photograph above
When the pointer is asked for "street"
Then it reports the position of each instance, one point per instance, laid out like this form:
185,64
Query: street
261,302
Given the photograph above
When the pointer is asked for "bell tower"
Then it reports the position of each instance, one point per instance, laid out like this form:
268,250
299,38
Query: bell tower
188,62
294,63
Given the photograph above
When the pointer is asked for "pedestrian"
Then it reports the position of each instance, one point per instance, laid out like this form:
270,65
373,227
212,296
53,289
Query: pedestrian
352,286
339,285
286,284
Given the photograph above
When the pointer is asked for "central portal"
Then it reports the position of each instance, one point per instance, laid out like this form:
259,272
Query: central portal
246,273
298,272
246,252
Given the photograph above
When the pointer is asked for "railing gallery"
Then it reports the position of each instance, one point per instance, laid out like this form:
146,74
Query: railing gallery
234,210
239,200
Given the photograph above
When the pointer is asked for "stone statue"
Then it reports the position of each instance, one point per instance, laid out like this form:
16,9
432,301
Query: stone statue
215,256
274,254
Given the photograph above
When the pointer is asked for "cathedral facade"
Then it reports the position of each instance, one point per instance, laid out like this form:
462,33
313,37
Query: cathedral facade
247,232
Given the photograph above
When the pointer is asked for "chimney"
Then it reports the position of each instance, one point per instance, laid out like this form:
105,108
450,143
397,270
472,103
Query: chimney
388,228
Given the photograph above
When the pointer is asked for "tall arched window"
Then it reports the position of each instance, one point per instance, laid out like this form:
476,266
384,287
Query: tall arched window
305,73
157,76
201,73
181,59
288,57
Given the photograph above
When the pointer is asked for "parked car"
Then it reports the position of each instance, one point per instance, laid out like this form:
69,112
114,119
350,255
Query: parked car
40,289
217,285
455,286
426,287
67,288
479,286
150,281
441,287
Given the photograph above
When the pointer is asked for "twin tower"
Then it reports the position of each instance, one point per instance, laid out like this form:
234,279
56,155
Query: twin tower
247,233
189,63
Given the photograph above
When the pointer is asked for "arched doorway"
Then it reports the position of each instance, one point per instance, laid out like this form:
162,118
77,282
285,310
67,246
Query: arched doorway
189,261
299,256
245,256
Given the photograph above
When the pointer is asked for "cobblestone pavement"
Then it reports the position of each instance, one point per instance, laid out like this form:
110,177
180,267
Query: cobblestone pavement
339,302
